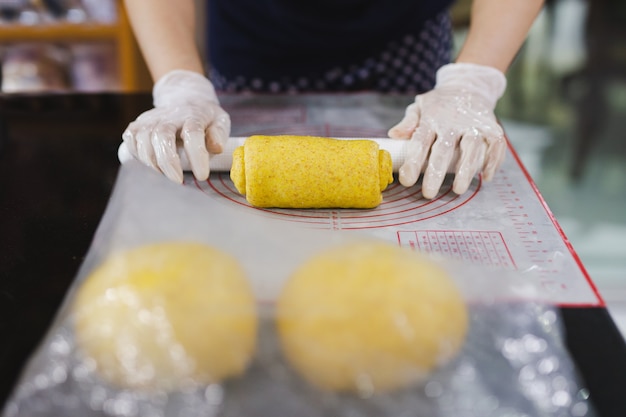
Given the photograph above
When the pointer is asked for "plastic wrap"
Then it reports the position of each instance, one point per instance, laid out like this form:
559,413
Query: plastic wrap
512,361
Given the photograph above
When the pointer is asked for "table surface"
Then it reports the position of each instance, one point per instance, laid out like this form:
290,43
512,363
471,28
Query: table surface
58,165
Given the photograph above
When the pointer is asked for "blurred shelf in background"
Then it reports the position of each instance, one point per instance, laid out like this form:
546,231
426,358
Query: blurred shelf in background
69,45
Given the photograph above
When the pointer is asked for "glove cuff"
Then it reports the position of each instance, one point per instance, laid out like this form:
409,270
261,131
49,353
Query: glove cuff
484,80
183,86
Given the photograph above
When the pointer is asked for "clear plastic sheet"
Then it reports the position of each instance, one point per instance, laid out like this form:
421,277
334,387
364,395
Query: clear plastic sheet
513,362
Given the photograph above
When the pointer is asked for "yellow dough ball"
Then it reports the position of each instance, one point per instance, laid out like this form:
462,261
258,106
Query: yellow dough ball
161,315
369,317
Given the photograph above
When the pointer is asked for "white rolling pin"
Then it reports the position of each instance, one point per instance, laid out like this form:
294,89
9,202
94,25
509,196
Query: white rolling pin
223,161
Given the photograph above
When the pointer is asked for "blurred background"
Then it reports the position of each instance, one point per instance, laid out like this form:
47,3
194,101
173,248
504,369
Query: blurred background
563,109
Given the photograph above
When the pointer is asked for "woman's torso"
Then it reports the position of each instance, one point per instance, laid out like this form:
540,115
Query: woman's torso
293,38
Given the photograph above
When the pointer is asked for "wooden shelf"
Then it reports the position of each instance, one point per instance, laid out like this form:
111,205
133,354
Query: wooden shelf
133,73
58,32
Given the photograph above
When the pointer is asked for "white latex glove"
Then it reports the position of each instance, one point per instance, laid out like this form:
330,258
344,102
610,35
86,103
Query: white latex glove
457,112
186,109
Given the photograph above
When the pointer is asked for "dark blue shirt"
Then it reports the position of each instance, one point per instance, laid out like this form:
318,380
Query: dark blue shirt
269,38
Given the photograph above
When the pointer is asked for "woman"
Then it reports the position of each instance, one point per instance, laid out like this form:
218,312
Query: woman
341,45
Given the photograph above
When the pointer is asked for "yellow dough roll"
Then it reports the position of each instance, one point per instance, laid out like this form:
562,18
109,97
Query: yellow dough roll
369,317
160,315
311,172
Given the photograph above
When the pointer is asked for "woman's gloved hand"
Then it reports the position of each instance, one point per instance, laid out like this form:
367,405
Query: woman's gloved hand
457,112
186,109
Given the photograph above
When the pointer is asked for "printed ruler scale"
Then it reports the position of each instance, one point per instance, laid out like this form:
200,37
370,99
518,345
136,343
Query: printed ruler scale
477,247
501,224
523,224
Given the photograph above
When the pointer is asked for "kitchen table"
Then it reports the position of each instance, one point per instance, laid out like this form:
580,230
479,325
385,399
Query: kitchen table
58,165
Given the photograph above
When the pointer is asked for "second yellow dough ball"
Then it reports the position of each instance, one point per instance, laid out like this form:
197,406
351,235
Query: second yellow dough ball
369,317
163,314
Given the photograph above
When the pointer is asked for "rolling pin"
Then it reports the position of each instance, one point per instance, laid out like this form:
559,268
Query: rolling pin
223,161
289,171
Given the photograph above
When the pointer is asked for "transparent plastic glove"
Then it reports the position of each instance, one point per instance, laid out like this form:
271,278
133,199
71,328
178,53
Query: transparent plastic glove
186,111
457,113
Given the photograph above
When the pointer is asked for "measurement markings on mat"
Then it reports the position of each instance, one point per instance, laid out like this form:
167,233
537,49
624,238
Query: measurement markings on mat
525,226
476,246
